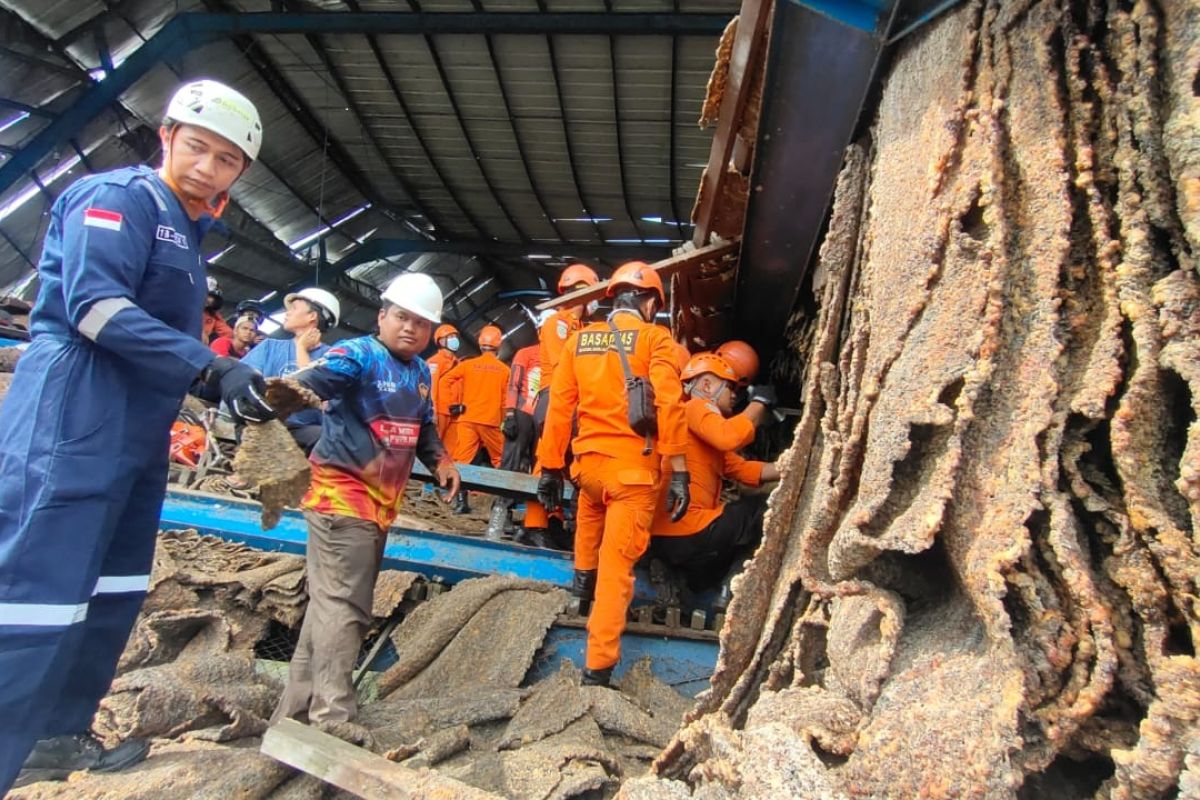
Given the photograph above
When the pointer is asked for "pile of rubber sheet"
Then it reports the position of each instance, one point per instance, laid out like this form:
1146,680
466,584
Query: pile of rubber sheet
8,364
455,697
979,574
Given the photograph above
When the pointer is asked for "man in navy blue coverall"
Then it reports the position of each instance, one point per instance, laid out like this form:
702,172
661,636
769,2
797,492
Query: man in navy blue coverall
85,426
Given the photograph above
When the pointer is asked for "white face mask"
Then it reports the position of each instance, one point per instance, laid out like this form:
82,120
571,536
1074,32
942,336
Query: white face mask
592,306
452,344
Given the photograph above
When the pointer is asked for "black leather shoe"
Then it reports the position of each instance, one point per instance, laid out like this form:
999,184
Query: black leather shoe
56,758
597,677
583,585
463,505
534,537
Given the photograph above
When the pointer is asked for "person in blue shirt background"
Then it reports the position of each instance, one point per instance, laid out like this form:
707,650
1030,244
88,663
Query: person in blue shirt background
310,312
84,429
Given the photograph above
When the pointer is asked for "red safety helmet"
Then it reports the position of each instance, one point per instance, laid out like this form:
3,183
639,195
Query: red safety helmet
742,358
490,336
576,274
704,363
443,331
639,275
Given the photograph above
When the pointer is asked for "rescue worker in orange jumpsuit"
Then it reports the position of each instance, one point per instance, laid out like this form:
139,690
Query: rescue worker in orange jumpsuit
553,332
441,362
619,470
519,440
712,536
482,383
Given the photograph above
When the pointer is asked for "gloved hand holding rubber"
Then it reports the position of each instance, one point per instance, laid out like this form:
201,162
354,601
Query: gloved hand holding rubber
509,426
242,389
457,410
764,394
550,489
679,494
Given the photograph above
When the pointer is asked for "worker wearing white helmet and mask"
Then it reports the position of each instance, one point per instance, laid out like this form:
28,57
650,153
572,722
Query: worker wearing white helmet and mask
309,313
380,420
85,427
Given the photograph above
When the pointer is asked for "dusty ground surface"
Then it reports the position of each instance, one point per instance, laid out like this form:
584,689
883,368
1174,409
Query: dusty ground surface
979,574
455,699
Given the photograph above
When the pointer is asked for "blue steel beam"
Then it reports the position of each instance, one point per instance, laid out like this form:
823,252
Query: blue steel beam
518,485
185,32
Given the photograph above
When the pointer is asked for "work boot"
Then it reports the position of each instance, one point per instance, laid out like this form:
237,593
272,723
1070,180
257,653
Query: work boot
495,528
535,537
583,589
56,758
463,506
597,677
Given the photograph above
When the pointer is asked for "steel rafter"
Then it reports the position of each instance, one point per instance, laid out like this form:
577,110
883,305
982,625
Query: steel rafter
537,192
612,68
562,112
673,177
314,41
462,124
32,111
376,249
390,76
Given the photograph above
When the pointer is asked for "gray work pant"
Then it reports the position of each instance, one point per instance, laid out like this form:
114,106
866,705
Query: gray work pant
343,558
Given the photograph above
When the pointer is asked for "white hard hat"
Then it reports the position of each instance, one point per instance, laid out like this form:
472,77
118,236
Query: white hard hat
217,108
416,292
321,298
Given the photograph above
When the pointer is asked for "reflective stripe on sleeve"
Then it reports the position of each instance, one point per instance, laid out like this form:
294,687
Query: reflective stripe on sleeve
100,313
119,584
42,614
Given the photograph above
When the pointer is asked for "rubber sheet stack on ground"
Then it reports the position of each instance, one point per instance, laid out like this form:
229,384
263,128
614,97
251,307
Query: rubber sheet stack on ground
269,459
8,363
979,574
455,699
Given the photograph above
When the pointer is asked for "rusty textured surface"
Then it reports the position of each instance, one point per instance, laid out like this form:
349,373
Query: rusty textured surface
8,358
979,573
269,459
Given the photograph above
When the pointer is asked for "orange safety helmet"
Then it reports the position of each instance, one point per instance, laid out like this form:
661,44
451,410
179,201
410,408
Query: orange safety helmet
443,331
639,275
742,358
576,274
704,363
490,336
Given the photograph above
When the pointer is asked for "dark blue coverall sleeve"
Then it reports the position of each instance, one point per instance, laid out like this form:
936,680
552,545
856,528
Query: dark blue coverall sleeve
104,273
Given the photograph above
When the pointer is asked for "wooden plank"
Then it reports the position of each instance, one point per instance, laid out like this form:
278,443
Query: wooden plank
665,269
359,771
748,46
502,482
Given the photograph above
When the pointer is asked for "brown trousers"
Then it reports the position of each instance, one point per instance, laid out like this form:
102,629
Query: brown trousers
344,554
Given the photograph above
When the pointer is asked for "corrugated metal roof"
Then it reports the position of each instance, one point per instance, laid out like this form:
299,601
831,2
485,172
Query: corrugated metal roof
383,135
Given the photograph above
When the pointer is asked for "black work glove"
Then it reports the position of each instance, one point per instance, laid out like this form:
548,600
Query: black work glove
679,495
550,489
242,389
509,426
764,394
457,410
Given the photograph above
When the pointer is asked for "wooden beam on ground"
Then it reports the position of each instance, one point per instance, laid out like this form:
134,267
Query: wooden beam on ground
665,269
749,45
519,485
359,771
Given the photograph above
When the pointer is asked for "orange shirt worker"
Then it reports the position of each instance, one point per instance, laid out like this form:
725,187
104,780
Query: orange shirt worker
441,362
619,472
712,539
482,383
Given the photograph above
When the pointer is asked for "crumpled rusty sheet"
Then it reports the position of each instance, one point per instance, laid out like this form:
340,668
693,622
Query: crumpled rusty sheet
8,358
269,459
980,570
482,634
175,770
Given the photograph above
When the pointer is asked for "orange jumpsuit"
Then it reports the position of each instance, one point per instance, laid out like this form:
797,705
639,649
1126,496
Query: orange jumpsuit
712,440
552,337
619,486
440,363
482,382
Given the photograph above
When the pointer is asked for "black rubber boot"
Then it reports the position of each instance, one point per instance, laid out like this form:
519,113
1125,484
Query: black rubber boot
534,537
597,677
463,506
583,589
54,759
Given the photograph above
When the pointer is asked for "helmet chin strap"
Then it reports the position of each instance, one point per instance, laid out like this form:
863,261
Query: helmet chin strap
693,389
194,207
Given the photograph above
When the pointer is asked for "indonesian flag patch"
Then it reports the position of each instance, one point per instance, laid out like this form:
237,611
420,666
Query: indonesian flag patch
101,218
